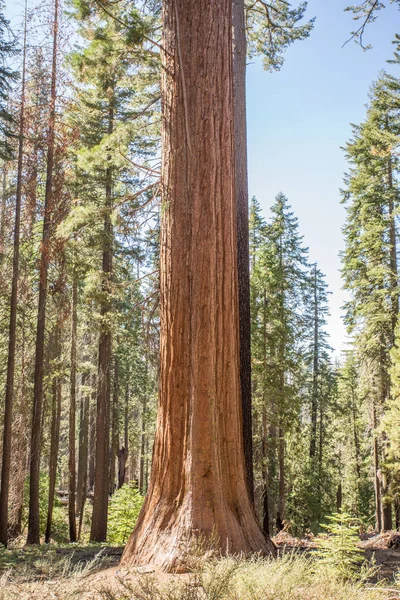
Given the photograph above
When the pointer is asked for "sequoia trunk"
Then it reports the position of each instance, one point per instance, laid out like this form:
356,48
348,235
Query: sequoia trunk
198,481
242,216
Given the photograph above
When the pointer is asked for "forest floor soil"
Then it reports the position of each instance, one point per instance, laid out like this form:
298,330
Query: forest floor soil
93,572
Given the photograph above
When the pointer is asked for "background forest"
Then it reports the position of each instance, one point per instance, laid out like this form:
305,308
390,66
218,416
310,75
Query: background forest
80,210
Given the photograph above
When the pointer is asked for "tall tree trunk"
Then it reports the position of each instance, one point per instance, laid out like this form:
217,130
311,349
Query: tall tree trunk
198,480
264,471
393,248
101,480
20,447
12,335
55,425
114,428
83,452
314,399
72,411
242,218
123,452
387,520
33,519
142,483
282,478
92,435
4,206
386,503
377,485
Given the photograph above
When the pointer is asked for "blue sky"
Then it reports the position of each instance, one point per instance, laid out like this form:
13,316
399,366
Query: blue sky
299,118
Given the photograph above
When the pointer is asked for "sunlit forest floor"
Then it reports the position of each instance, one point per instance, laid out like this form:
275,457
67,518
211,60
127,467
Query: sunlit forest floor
92,572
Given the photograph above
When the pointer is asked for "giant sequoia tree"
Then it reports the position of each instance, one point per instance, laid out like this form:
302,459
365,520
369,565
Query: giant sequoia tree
198,482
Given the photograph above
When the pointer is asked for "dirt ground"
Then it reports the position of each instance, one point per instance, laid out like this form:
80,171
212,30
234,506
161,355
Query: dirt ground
92,573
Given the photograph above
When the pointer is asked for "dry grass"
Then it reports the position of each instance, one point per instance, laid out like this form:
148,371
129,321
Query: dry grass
291,577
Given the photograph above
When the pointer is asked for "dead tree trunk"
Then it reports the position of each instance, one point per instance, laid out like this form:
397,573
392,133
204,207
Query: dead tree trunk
33,519
12,335
198,480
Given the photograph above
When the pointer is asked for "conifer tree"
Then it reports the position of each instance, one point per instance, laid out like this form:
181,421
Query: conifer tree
8,49
370,258
279,281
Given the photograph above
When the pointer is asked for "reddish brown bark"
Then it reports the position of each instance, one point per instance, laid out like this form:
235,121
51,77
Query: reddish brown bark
198,482
242,214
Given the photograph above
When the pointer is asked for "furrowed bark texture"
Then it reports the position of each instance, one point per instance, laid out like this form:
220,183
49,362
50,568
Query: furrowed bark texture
198,483
242,215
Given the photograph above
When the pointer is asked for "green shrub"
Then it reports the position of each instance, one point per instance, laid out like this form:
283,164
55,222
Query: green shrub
123,512
338,550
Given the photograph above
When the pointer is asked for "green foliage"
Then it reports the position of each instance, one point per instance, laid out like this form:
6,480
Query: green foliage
8,49
338,550
290,577
124,509
272,27
293,378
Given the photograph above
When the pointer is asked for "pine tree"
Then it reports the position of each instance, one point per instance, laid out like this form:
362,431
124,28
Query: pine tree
8,49
370,257
279,281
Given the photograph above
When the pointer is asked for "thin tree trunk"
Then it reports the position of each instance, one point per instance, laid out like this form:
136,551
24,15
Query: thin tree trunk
393,250
33,519
4,206
355,436
12,335
339,498
143,442
114,428
101,479
264,471
83,452
314,400
123,453
242,217
20,448
282,487
55,425
377,485
72,412
92,435
198,480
